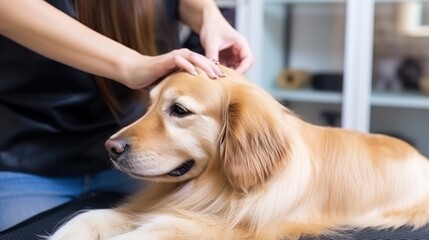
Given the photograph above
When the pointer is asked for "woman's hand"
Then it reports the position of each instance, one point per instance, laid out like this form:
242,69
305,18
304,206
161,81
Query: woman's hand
223,43
143,71
219,39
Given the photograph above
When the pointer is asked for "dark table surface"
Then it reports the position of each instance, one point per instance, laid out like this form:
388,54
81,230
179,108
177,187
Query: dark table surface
46,222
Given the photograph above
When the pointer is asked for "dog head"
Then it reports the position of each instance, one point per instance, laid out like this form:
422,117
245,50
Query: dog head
195,123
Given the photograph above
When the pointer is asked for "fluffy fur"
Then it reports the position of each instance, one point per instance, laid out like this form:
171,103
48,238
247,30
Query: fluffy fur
259,171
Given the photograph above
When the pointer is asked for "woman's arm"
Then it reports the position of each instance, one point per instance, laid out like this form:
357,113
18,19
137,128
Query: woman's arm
195,12
46,30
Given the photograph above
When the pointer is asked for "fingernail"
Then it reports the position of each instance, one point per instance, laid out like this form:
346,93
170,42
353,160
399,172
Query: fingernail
195,73
223,74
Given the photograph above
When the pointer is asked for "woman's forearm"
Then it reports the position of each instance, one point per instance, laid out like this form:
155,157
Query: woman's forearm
196,12
46,30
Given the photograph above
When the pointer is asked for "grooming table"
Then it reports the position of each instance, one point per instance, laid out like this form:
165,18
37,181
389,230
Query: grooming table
46,222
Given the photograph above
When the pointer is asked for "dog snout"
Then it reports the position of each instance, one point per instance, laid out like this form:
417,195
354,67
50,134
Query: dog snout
116,148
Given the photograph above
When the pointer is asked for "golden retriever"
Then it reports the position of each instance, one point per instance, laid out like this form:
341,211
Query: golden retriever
227,161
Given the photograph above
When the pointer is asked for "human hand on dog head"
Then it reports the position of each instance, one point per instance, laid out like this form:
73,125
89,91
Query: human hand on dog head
144,71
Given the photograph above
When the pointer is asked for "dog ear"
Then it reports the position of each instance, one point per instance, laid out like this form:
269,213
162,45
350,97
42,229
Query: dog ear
253,144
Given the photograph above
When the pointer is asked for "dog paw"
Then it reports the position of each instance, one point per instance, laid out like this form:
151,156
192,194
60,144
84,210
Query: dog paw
94,224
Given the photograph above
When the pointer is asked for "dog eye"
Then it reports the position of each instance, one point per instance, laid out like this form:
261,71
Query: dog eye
179,111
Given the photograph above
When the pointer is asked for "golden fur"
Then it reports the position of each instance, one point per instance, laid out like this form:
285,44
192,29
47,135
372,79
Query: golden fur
260,172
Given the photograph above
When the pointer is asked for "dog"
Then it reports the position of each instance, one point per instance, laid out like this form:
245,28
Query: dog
227,161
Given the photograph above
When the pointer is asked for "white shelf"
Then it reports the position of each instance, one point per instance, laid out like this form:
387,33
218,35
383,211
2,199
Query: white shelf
306,95
400,99
379,99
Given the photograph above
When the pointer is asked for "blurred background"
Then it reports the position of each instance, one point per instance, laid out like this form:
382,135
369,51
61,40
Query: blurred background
357,64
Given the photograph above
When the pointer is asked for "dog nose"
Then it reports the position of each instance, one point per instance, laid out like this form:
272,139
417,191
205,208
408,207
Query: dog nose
116,148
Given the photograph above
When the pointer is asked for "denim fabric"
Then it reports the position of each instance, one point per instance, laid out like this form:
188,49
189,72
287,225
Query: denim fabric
25,195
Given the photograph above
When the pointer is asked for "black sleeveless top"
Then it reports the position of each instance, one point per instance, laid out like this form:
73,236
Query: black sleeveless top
53,120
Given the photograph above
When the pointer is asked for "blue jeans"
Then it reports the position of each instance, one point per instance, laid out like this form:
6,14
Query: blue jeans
25,195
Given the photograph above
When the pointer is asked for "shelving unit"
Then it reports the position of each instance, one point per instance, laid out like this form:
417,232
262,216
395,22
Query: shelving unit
357,64
360,106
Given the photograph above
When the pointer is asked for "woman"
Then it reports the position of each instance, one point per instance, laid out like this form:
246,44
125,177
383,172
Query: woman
58,103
